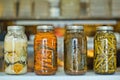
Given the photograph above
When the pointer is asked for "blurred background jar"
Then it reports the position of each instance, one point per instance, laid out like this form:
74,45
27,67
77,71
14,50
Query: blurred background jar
90,52
45,48
8,9
59,32
84,8
15,50
41,9
75,50
70,8
1,57
105,50
117,34
54,8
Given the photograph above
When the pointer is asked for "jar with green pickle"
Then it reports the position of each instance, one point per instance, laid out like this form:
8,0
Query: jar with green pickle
15,50
75,62
105,50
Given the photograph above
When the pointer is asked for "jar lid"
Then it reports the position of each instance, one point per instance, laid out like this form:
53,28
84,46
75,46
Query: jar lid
15,27
105,28
75,27
45,27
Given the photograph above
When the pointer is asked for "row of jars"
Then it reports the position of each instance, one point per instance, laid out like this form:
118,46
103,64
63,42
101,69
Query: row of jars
45,50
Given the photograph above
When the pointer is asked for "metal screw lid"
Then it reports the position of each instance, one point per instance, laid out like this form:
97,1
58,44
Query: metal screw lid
45,27
15,28
105,28
74,27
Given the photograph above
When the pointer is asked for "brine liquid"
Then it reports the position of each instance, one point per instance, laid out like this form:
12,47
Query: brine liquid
15,56
105,53
75,54
45,54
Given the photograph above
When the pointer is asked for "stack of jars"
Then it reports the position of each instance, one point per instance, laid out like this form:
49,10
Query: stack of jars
45,50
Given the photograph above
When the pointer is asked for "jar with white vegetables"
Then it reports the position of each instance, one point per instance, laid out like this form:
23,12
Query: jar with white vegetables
15,50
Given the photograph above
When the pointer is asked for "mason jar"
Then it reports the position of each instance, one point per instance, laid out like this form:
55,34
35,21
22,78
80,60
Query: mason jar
105,50
75,50
70,8
45,49
15,50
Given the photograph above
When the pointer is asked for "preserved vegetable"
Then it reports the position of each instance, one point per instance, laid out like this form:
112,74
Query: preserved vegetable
75,51
15,49
45,46
105,51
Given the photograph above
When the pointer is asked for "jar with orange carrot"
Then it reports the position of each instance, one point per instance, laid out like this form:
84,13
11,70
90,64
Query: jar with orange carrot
45,49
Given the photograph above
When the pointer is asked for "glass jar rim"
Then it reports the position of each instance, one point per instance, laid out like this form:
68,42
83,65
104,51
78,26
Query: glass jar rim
15,28
74,27
40,27
104,28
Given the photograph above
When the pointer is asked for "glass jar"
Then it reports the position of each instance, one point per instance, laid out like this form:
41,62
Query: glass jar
45,48
70,8
75,50
105,50
15,49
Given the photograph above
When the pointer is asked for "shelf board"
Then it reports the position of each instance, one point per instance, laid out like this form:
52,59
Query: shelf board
68,22
60,18
61,76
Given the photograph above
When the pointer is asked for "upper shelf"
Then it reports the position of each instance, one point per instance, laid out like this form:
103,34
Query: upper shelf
64,21
61,18
59,10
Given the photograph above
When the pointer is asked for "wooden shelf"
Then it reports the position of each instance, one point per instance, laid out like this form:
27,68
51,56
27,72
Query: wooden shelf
65,22
60,18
